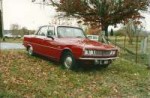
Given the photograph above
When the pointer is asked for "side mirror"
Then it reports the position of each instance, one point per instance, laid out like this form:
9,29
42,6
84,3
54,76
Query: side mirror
50,37
49,34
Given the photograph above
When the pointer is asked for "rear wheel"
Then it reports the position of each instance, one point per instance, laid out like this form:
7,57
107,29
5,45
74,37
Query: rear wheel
30,50
69,61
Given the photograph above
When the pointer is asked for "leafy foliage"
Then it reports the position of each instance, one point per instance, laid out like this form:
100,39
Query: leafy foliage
15,29
34,77
18,30
103,13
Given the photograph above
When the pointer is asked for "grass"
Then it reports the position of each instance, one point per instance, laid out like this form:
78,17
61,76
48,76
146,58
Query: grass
34,77
125,43
12,40
142,58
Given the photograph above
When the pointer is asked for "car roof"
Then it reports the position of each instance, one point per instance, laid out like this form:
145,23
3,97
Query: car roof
61,26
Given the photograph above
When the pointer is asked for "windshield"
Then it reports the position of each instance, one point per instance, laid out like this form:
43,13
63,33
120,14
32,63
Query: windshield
70,32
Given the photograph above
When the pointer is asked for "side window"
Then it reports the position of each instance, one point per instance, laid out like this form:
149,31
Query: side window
90,37
50,31
43,31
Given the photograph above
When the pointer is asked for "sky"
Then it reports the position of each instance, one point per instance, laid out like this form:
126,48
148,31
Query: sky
26,14
31,15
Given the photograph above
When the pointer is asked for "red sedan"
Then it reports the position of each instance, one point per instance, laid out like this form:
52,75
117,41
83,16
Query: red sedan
69,45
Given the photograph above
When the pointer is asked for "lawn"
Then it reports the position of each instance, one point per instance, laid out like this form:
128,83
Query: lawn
141,58
36,77
12,40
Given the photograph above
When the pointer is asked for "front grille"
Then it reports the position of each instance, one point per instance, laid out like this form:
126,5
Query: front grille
102,53
106,53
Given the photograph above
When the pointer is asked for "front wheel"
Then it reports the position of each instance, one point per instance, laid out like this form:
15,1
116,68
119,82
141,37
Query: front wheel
30,50
69,61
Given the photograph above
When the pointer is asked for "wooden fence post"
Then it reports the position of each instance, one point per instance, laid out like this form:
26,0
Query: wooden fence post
124,42
136,57
148,61
115,40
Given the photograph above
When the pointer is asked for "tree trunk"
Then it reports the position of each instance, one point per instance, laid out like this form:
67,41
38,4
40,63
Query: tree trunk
1,27
105,28
106,31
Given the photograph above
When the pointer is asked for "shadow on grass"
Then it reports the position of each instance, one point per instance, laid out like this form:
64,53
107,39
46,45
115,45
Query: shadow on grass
81,67
51,61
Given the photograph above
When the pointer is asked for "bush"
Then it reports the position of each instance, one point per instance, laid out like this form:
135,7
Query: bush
117,33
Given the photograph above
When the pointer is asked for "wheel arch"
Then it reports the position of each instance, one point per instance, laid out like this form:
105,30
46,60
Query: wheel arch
28,46
63,52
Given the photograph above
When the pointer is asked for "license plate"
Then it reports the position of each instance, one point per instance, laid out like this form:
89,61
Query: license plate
105,62
100,62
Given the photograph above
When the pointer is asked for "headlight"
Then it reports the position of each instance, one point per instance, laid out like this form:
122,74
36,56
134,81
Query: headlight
89,52
86,52
112,52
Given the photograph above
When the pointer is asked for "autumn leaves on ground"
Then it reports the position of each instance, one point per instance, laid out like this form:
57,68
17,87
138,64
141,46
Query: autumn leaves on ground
35,77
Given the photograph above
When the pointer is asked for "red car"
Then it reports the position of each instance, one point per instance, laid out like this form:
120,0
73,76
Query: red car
69,45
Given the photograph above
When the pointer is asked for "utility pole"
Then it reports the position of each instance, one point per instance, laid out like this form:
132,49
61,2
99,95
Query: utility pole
1,19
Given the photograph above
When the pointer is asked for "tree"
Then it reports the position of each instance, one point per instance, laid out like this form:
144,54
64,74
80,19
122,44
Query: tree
111,32
103,13
132,29
15,29
25,31
1,28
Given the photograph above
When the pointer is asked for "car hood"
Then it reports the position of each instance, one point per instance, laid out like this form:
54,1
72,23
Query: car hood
86,43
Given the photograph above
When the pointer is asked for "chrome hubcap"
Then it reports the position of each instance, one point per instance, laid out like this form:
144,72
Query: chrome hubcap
68,62
30,51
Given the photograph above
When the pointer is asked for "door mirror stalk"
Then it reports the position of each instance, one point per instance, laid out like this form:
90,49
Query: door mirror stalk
50,37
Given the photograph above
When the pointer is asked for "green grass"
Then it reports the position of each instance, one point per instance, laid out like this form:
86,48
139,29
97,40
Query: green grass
142,58
125,43
12,40
35,77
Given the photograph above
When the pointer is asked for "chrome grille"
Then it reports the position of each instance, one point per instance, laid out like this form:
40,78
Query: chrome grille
100,52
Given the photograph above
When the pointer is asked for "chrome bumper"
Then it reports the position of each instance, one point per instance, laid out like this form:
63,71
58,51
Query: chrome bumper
112,58
100,61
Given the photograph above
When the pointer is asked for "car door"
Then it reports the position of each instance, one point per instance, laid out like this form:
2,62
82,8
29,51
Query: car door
51,48
39,39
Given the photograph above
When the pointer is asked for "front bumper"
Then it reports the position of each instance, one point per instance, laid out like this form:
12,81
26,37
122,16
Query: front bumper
99,61
111,58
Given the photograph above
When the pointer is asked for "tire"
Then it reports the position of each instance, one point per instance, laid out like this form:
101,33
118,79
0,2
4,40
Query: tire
69,61
30,51
104,66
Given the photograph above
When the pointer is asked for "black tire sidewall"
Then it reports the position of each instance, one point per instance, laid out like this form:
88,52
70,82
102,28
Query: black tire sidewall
73,66
29,49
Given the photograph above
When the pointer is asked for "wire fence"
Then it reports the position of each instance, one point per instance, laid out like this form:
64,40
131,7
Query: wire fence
136,49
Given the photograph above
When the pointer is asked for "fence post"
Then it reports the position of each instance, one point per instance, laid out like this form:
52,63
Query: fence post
124,42
148,48
136,58
115,40
148,61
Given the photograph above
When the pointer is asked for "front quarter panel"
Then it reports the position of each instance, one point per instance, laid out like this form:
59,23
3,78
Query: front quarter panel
77,51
